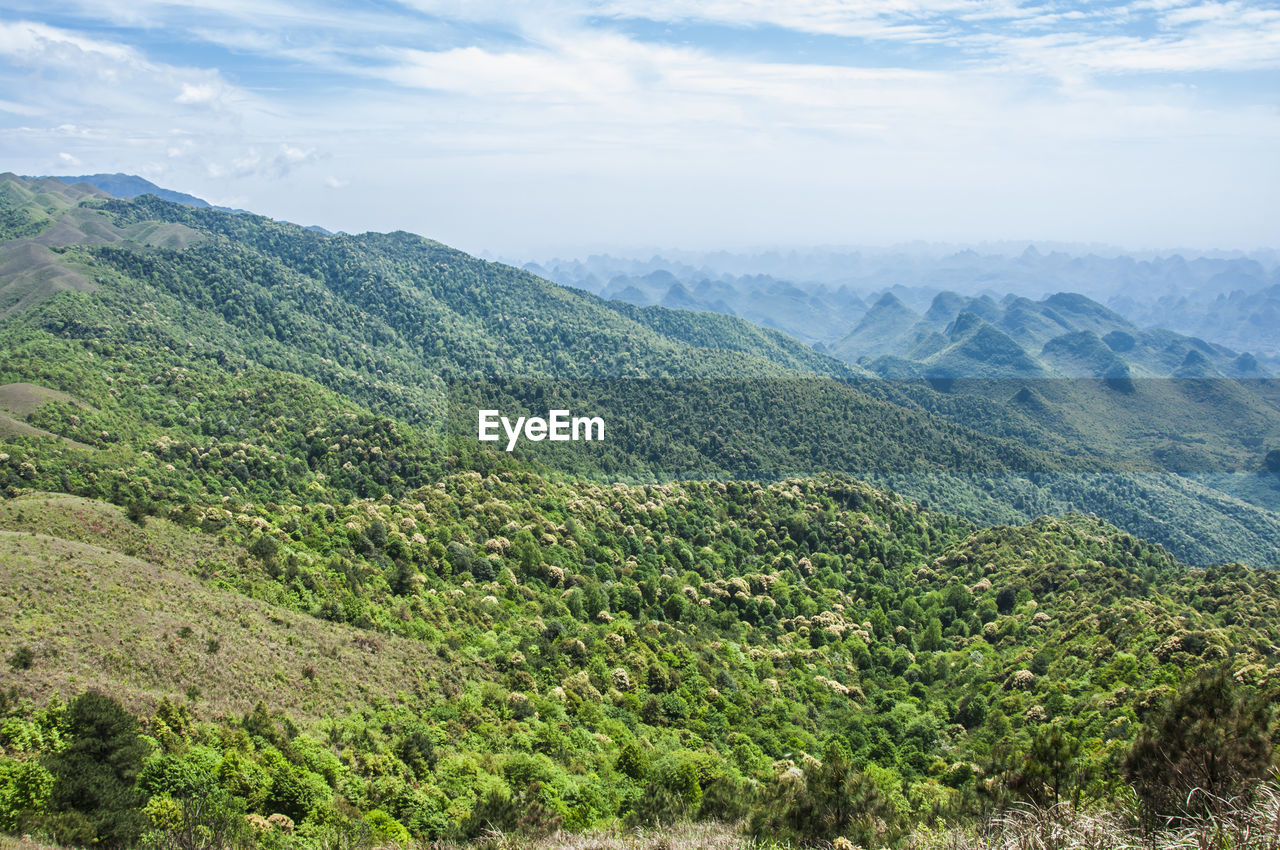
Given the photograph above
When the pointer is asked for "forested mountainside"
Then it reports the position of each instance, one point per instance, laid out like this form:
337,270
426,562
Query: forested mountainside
261,586
167,312
504,651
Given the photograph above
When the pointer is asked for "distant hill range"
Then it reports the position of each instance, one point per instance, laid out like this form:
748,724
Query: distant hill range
131,186
1063,335
1225,305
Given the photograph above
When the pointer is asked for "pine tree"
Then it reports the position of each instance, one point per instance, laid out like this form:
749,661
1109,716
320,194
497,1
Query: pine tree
1209,745
96,774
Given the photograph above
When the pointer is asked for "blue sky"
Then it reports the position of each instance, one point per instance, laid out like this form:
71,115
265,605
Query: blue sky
535,128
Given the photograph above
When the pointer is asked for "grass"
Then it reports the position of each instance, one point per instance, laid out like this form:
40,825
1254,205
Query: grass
10,428
19,401
23,399
145,626
99,524
686,836
9,842
1239,826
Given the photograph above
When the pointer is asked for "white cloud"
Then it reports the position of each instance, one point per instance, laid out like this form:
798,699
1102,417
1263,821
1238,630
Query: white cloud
30,41
20,108
198,93
67,159
288,157
879,18
523,126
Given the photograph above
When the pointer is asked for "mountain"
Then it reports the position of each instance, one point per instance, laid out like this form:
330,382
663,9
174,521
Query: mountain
407,340
885,329
1046,334
505,651
603,667
820,295
262,583
1241,318
812,314
131,186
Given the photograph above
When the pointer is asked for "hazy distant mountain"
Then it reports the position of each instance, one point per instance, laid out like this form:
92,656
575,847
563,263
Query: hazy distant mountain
1064,335
131,186
821,296
887,328
1243,319
812,313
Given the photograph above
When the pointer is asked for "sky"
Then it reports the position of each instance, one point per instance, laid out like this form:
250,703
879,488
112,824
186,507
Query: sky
554,127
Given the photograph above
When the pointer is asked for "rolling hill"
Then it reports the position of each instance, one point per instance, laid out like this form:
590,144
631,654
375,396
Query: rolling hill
243,500
194,309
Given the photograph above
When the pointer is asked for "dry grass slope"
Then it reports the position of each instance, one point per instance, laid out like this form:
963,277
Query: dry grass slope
18,401
10,427
143,626
99,524
22,400
30,273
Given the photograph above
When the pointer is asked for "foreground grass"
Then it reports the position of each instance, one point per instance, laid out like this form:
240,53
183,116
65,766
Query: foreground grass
8,842
1239,826
1253,826
1236,825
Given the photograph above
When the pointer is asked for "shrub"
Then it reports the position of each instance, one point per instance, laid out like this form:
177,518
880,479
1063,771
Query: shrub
22,658
672,793
383,829
24,790
523,813
632,761
206,822
829,799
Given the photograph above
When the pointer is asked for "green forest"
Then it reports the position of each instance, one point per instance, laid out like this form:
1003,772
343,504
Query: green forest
262,587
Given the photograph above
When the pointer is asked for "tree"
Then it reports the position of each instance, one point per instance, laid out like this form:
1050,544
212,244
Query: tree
1209,744
1050,768
827,801
96,774
632,761
932,639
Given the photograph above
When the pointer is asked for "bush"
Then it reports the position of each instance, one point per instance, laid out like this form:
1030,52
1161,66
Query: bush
24,790
206,822
22,658
523,813
672,794
826,801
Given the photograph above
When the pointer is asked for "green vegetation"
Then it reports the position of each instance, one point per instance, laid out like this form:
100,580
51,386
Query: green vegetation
193,312
535,655
262,588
